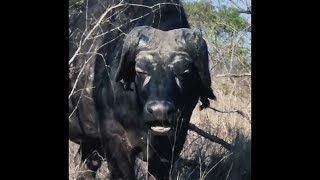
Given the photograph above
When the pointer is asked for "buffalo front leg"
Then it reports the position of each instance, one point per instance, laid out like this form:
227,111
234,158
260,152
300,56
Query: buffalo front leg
89,159
159,170
119,151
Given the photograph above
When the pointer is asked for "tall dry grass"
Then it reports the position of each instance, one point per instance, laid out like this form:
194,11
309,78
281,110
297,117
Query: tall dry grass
214,161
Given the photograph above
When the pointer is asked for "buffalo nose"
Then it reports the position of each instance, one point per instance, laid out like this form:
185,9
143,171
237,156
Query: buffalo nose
161,110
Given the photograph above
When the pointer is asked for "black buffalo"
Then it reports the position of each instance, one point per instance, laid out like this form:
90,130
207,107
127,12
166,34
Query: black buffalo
137,71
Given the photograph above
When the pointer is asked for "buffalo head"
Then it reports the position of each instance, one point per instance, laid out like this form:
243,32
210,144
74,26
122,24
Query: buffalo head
170,72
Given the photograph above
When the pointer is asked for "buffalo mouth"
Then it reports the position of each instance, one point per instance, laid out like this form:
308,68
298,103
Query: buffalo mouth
159,126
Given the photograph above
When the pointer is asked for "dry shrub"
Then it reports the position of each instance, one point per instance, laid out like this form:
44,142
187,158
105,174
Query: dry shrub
212,160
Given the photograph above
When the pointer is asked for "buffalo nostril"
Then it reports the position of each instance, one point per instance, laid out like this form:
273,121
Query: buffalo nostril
149,109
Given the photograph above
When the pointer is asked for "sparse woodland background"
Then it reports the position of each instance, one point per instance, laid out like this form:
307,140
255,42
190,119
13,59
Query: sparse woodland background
226,25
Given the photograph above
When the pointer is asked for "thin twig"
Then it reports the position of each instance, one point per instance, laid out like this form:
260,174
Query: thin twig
78,77
246,11
231,111
135,19
241,10
89,34
233,75
213,66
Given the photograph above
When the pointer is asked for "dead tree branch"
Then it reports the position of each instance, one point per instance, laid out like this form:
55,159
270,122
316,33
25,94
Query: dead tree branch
211,137
231,111
233,75
248,11
92,30
242,10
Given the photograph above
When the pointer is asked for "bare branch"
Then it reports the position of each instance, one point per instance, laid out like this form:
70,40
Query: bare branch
248,11
231,111
91,31
245,2
241,10
210,137
214,66
78,77
233,44
233,75
153,8
235,4
77,105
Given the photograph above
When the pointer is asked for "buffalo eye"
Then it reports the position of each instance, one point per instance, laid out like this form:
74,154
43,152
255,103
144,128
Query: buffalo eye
184,73
187,71
141,73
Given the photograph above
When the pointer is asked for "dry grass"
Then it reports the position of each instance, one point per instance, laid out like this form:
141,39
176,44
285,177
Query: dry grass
216,162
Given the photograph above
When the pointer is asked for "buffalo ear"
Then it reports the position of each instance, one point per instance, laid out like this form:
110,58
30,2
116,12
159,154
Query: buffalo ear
129,50
204,73
126,60
124,72
197,48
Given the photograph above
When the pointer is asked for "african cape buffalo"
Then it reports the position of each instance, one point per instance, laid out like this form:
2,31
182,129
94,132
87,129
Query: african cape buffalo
137,71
